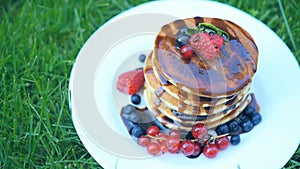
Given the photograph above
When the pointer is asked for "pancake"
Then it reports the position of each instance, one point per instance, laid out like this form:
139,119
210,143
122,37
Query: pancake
178,106
184,105
182,92
187,118
160,87
229,73
178,125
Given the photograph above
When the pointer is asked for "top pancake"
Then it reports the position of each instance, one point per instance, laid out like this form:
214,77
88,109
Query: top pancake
226,75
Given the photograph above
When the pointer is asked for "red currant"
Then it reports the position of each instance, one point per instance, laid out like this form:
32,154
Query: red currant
173,144
162,141
144,141
153,148
164,147
222,142
175,133
153,130
199,130
197,149
210,150
173,141
175,149
187,147
186,51
162,138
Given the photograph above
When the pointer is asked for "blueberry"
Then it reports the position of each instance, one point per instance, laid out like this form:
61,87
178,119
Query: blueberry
256,118
130,113
222,129
246,125
235,139
248,111
137,131
129,124
233,126
225,37
240,118
182,40
142,57
135,99
182,30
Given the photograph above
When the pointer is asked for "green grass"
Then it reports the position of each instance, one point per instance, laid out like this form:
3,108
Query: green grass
39,41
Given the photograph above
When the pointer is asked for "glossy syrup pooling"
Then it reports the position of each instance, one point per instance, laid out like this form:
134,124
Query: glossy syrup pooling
230,72
185,102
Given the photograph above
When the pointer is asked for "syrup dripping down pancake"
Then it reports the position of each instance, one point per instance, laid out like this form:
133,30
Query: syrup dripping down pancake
185,105
230,72
177,125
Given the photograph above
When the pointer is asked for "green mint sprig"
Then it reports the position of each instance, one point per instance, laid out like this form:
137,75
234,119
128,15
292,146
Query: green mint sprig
207,28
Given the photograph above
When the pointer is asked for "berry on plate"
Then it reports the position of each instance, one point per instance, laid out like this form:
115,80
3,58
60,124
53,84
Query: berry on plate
173,143
135,99
210,150
153,130
233,126
153,148
144,140
256,118
137,131
131,82
199,130
197,151
235,139
248,111
247,125
142,58
222,142
187,147
206,46
222,129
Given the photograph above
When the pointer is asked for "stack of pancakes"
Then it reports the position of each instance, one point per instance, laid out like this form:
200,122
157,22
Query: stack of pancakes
181,93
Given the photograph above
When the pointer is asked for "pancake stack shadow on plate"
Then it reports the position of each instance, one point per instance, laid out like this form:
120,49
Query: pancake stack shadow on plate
181,93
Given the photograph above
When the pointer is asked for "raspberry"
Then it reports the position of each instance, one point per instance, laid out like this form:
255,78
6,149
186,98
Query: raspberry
131,82
217,41
206,45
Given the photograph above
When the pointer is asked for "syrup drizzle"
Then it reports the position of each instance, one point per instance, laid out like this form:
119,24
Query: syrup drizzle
231,72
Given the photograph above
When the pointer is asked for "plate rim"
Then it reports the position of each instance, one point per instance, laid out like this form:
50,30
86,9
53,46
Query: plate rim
71,85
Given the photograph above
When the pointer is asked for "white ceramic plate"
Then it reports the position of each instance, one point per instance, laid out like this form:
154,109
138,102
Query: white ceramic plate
111,49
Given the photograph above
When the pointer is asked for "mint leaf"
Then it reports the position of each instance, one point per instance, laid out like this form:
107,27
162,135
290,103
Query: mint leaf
207,28
192,31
